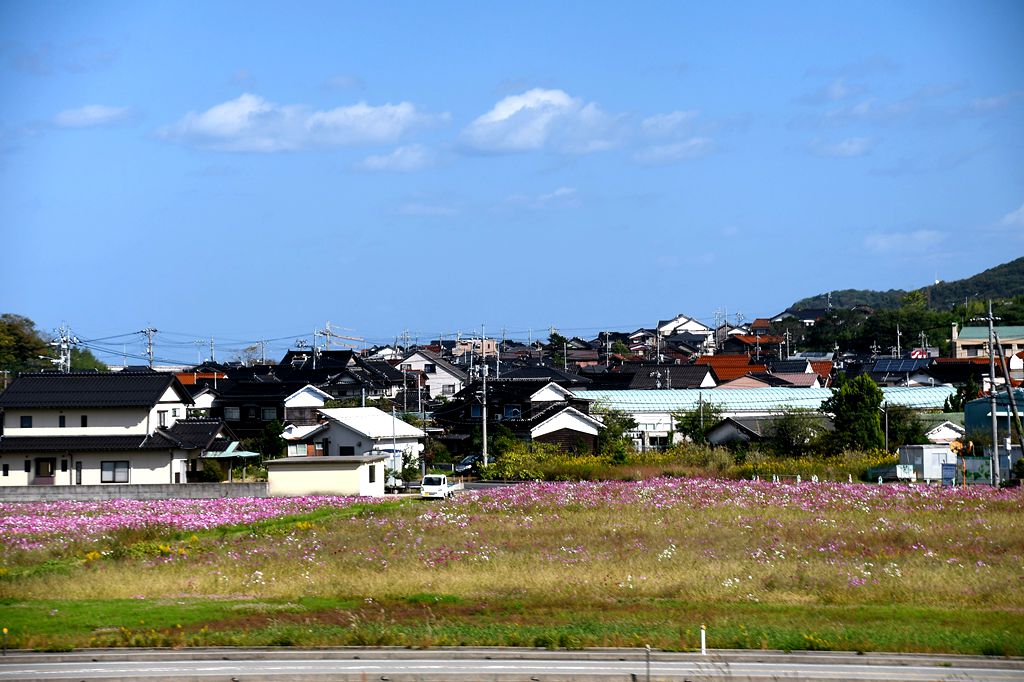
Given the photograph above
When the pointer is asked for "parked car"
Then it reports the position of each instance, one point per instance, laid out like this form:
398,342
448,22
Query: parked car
469,463
436,486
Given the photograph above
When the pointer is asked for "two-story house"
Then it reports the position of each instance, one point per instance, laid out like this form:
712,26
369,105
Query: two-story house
440,377
86,428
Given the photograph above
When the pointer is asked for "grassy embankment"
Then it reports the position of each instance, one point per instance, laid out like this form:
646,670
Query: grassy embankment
827,566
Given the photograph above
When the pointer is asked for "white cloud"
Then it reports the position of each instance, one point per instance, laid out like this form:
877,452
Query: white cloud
404,159
91,115
1014,218
674,152
667,124
984,105
251,123
890,242
541,119
848,148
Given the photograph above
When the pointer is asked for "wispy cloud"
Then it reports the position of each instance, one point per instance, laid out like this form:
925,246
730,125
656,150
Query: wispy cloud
425,210
674,152
562,197
344,81
47,59
92,115
1014,218
251,123
541,119
893,242
985,105
834,91
847,148
668,124
405,159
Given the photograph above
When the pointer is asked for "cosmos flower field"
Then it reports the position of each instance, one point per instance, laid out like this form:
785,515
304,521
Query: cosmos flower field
764,565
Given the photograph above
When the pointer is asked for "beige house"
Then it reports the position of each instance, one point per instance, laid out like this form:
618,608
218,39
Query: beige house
352,475
972,342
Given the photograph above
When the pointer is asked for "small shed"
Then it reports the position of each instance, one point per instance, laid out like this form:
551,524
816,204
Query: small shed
361,475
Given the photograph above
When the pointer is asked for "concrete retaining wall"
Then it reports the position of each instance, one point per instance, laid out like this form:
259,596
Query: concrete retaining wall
187,491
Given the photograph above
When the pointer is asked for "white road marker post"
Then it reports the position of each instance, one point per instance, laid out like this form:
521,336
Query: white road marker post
648,648
703,639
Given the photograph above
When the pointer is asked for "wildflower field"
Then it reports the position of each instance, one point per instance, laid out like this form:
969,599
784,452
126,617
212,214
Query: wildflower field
763,565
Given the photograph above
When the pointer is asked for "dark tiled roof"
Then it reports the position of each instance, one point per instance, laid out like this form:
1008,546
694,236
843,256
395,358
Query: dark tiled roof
74,443
545,373
195,433
672,376
90,389
788,366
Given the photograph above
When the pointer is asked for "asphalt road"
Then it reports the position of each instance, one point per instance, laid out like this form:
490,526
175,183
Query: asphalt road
498,665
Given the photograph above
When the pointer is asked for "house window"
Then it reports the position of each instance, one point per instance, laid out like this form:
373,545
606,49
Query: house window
250,413
7,469
373,473
512,412
28,466
269,414
163,418
85,420
232,414
63,466
78,473
429,368
62,421
406,367
26,421
174,411
476,411
448,389
114,472
346,450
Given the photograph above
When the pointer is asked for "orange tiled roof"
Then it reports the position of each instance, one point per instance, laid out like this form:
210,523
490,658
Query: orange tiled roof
823,368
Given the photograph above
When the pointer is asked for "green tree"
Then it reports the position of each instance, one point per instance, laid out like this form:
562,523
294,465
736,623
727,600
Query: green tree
695,424
613,440
20,344
904,427
854,407
557,345
84,359
964,394
270,443
795,433
620,348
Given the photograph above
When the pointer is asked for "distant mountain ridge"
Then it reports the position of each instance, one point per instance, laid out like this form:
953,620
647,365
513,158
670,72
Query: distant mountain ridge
1002,281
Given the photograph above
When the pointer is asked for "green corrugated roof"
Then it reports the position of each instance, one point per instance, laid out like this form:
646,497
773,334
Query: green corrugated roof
981,333
753,399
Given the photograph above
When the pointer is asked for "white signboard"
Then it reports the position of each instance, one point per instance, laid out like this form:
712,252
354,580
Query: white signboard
905,471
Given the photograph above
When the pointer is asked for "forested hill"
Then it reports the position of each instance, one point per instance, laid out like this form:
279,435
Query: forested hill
1000,282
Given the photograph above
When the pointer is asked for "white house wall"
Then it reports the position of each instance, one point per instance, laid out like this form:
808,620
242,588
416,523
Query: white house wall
306,398
567,419
342,436
100,422
145,467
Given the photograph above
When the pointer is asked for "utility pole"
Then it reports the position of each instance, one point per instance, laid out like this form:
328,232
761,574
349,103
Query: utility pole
992,391
483,372
996,478
898,335
63,342
213,354
149,332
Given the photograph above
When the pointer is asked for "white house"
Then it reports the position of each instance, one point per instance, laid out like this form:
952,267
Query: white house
441,378
358,432
90,428
302,406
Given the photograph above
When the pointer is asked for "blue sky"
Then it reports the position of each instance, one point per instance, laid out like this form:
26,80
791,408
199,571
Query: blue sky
252,170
